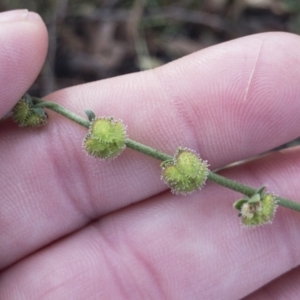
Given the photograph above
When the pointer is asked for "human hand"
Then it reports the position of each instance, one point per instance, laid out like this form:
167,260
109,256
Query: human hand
73,227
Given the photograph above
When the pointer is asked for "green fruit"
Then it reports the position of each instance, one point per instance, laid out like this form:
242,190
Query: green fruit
21,111
36,118
260,212
186,173
106,138
26,115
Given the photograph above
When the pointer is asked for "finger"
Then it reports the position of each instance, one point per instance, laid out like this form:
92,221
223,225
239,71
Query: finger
214,101
23,40
172,248
284,287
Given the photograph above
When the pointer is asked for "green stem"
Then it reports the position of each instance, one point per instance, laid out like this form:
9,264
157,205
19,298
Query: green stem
288,203
81,121
249,191
147,150
228,183
61,110
232,184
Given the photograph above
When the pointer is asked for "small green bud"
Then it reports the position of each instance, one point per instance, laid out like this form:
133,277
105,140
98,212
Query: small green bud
185,173
257,210
105,139
26,115
90,114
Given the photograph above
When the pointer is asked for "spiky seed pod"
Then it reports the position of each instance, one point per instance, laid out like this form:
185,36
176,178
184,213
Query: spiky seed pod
186,173
178,182
21,111
257,210
105,139
36,118
26,115
259,213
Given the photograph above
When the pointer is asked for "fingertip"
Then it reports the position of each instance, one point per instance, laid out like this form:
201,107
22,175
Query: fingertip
34,17
24,41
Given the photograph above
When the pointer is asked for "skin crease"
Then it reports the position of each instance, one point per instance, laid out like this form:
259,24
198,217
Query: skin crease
73,227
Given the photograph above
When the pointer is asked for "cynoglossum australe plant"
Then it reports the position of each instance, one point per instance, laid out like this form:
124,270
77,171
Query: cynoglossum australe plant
184,173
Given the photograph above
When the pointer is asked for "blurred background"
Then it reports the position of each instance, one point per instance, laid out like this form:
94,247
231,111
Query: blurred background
91,39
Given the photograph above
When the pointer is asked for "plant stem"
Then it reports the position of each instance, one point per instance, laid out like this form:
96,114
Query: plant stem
249,191
232,184
147,150
61,110
228,183
81,121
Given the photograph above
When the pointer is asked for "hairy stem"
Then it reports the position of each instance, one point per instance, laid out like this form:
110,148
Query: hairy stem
81,121
61,110
228,183
249,191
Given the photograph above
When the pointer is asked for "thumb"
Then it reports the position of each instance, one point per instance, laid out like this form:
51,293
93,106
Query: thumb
24,42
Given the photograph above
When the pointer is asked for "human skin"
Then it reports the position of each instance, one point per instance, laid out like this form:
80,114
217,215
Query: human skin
74,227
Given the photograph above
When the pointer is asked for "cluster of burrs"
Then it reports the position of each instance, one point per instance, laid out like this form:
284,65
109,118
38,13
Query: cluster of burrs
26,114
